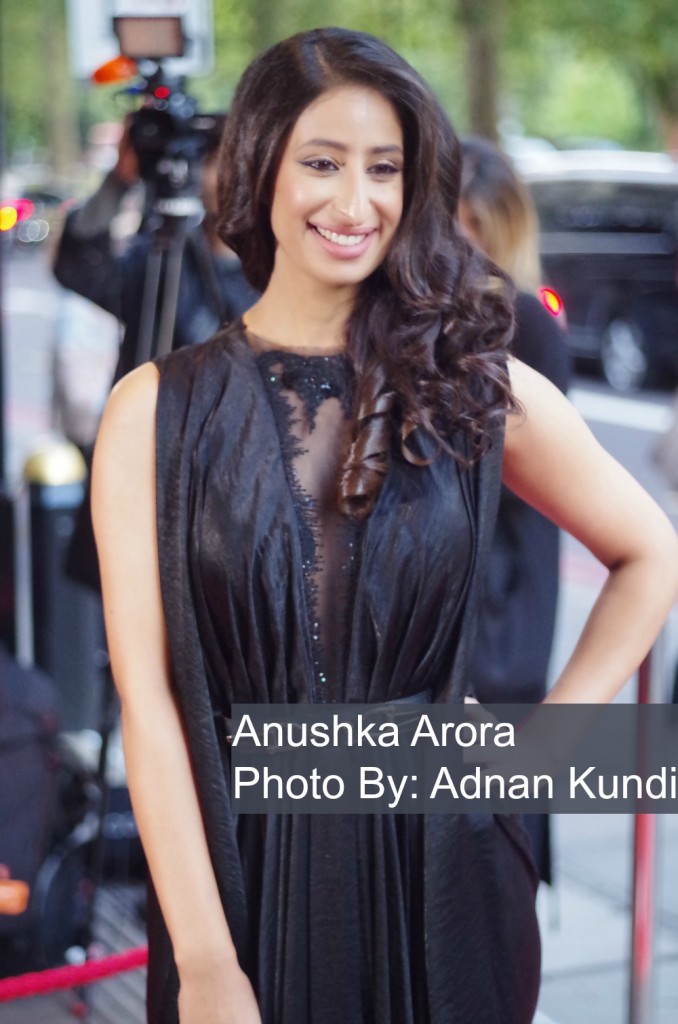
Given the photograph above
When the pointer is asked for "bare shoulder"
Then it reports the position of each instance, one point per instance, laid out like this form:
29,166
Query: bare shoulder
132,400
129,415
532,390
548,448
124,454
544,418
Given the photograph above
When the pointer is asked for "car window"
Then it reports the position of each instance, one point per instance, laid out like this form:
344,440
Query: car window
605,206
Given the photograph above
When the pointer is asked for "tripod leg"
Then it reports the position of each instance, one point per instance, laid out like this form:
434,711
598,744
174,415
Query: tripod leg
170,296
149,306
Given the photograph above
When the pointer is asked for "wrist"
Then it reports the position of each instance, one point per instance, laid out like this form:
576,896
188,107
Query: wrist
204,958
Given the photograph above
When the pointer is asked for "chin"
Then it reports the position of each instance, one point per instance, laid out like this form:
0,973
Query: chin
347,276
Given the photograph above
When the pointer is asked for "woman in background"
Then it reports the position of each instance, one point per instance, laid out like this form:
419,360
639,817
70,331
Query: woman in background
517,616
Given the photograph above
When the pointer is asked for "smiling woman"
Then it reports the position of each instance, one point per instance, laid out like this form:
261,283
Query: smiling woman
338,195
299,511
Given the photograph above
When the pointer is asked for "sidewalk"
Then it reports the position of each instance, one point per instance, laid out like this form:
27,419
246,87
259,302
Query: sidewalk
586,949
586,921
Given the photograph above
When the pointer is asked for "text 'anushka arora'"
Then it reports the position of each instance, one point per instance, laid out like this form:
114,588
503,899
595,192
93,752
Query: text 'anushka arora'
359,733
443,766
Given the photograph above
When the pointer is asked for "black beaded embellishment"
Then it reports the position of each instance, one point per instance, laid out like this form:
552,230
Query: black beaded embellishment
313,379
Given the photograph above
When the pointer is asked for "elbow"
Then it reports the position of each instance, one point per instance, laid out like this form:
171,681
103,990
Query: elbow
652,552
672,560
662,556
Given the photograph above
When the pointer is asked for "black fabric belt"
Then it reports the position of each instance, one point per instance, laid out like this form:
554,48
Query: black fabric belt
423,697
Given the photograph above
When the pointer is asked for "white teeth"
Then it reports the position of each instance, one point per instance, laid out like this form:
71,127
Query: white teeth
332,236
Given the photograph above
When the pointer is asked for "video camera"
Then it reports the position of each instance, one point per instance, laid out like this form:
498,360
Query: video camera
169,135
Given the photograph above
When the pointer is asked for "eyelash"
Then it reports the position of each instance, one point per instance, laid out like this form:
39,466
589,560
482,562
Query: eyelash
325,166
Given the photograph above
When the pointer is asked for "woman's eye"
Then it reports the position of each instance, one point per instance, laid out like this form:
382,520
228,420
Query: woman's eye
384,170
320,164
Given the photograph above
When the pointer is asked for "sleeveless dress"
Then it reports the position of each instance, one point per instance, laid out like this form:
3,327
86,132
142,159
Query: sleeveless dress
270,595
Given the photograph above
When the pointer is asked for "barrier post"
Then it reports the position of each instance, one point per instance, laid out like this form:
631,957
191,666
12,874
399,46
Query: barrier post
644,874
67,616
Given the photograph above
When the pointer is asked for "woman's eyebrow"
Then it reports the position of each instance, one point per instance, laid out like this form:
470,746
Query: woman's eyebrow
342,147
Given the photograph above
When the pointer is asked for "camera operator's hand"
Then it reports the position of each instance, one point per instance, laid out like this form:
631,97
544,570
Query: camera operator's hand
126,167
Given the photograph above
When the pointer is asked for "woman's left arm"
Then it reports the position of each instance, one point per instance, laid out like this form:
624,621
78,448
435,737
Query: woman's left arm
553,462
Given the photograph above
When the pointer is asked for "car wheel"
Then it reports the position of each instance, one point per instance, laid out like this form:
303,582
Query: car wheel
624,356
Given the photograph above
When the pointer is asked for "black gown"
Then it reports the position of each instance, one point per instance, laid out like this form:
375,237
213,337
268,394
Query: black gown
270,595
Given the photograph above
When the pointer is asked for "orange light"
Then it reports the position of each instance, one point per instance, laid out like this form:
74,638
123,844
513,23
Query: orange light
161,93
8,217
13,896
552,300
117,70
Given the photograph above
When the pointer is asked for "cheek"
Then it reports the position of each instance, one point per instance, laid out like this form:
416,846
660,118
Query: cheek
395,208
294,202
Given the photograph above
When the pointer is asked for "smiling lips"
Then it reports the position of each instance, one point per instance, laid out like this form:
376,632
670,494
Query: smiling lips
348,245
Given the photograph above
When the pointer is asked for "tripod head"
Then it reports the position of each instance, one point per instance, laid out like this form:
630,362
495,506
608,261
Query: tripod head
167,132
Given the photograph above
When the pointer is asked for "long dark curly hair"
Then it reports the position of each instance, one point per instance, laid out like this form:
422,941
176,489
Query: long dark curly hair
429,330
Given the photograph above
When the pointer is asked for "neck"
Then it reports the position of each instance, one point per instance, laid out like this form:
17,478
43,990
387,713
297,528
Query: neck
295,313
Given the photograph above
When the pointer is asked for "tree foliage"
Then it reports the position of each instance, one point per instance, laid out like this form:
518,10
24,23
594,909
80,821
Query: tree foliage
575,67
639,36
482,23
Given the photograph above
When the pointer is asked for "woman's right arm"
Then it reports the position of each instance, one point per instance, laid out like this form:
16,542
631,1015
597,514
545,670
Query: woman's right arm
214,990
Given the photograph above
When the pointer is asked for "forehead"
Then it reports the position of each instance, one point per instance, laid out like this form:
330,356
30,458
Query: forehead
345,111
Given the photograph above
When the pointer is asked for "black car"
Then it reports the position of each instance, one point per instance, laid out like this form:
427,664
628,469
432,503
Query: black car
609,244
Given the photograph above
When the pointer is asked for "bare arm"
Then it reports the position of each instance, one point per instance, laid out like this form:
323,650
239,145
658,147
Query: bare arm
553,462
158,765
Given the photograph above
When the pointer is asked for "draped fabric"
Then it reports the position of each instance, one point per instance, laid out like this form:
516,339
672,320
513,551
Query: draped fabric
269,596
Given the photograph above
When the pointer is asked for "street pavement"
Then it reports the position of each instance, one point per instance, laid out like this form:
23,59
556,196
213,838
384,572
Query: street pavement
586,917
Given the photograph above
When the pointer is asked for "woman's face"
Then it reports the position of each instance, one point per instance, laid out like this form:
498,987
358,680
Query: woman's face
338,197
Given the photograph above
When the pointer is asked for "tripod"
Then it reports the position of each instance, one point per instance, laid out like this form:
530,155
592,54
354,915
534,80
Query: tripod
175,217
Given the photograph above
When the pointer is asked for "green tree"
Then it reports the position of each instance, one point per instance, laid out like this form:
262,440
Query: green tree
39,99
482,24
641,36
422,30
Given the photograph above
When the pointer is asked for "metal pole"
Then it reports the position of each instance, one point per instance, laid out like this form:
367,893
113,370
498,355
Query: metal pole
2,247
3,482
644,877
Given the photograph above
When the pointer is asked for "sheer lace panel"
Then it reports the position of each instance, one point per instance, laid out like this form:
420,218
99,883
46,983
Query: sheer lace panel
311,396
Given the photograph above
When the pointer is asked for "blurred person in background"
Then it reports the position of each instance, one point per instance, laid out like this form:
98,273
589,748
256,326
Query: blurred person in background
213,290
517,617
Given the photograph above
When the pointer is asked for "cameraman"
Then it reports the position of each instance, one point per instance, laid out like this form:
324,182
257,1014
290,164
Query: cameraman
212,289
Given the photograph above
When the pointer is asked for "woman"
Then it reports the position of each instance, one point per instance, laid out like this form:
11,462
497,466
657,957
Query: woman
299,511
518,611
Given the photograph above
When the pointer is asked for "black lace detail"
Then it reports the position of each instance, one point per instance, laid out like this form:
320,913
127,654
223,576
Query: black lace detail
313,378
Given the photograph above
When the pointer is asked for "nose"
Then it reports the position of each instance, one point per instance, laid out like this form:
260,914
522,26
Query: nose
351,201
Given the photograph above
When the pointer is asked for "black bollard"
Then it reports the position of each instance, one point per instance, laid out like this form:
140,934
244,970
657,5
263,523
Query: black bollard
67,617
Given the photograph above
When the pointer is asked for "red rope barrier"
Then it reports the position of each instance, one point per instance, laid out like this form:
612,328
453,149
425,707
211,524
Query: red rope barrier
39,982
